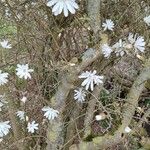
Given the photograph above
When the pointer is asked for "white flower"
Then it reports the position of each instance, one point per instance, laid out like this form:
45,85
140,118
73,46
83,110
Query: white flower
50,113
5,44
137,42
23,71
32,126
4,128
147,20
119,48
3,78
98,117
108,25
21,115
24,99
80,95
106,50
127,130
63,5
90,79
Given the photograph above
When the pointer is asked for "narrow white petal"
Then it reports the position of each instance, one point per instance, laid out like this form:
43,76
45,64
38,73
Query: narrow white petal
56,7
65,10
70,8
51,3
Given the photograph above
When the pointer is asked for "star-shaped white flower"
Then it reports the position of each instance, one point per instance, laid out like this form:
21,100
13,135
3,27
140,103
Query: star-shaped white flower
119,48
147,20
63,5
90,78
4,128
50,113
106,50
23,71
79,95
5,44
32,126
3,78
108,25
21,115
137,42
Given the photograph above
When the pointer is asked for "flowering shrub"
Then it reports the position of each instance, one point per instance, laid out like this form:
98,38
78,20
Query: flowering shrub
74,71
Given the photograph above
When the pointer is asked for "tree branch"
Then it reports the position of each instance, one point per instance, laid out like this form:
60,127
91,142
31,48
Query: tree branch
93,8
129,110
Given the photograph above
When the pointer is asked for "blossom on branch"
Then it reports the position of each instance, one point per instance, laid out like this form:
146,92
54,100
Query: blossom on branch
137,42
23,71
108,25
50,113
79,95
90,78
63,5
21,115
106,50
32,126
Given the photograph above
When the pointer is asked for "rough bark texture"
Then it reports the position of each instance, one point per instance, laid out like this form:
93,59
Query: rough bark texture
129,110
93,8
90,111
58,102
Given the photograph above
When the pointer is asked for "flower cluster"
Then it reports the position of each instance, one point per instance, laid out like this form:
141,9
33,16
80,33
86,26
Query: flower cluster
50,114
90,79
122,46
